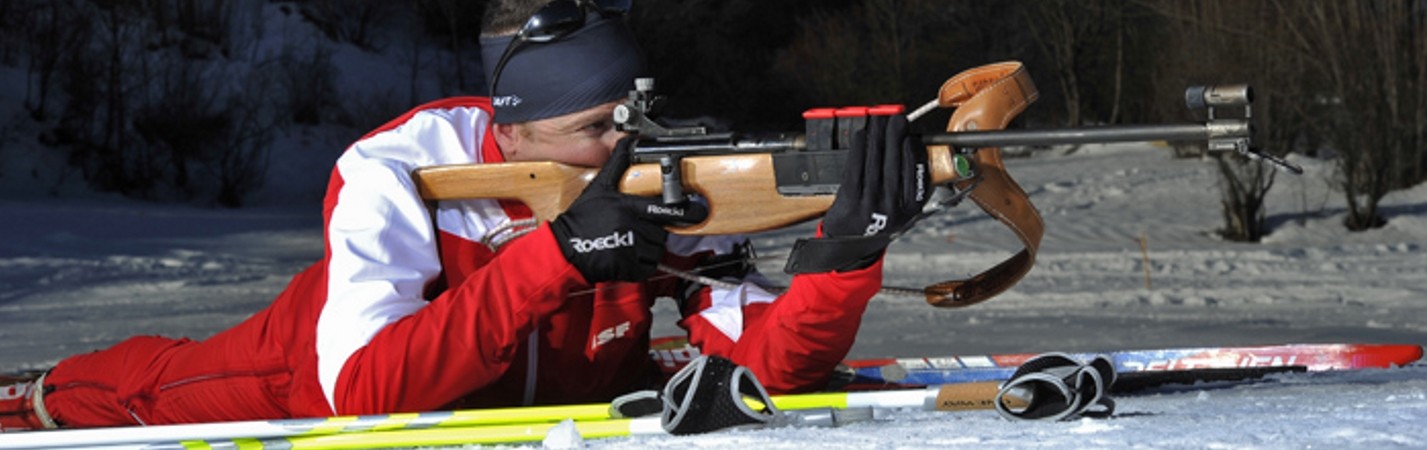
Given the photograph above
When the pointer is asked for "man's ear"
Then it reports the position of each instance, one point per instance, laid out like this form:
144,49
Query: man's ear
508,138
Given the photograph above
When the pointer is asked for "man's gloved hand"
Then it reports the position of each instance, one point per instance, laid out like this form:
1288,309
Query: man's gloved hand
886,181
884,184
611,236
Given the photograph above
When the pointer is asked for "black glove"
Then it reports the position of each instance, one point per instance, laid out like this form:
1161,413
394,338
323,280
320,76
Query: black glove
608,235
886,181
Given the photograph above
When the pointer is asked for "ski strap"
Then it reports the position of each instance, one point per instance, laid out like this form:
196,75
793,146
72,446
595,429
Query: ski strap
987,98
712,393
1054,386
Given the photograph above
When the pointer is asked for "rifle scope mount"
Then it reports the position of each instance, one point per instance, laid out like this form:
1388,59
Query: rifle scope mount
1234,134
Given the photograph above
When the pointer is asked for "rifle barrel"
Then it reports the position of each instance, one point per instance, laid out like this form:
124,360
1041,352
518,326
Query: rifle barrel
732,143
1087,135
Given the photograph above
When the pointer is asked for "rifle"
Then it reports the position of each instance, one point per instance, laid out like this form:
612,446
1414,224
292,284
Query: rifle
758,182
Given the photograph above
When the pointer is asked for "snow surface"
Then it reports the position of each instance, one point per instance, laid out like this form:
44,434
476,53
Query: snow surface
77,275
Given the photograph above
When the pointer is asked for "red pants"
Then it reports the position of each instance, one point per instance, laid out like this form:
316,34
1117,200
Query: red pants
156,380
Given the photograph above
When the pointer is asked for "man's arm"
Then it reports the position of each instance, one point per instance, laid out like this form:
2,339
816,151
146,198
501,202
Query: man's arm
464,339
791,341
380,345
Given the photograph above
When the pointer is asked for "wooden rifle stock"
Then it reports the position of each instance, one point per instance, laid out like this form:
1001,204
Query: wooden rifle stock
740,188
548,188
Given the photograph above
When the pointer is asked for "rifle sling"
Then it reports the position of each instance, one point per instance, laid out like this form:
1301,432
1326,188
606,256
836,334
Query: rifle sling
987,98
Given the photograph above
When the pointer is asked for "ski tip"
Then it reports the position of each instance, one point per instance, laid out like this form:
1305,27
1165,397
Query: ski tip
1386,355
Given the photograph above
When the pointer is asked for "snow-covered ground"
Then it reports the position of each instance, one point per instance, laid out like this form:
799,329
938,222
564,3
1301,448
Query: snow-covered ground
81,274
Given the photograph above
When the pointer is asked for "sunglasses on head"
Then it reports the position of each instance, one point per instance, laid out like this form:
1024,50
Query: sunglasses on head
553,21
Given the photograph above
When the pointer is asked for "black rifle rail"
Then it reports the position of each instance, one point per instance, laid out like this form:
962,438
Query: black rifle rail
735,143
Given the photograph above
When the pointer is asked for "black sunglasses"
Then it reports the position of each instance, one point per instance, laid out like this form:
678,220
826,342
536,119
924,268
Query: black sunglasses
554,21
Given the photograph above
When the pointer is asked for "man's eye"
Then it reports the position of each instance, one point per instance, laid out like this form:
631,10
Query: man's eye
597,127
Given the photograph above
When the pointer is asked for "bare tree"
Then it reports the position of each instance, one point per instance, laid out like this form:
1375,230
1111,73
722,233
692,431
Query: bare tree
876,51
1346,74
1086,45
352,21
238,160
50,37
1062,39
1226,41
458,23
1369,61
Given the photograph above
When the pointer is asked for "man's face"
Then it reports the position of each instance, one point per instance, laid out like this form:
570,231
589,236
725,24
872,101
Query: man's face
584,138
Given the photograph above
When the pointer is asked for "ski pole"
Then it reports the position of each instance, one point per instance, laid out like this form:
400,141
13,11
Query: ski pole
1047,386
810,409
479,435
477,424
957,397
472,435
304,427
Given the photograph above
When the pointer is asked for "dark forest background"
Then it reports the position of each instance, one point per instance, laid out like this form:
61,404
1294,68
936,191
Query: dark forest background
171,100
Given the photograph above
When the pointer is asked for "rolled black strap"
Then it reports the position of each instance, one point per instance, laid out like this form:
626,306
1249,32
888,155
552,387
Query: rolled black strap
836,253
1055,386
709,395
636,404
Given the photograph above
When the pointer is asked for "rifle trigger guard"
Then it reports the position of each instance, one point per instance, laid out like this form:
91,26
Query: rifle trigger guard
948,196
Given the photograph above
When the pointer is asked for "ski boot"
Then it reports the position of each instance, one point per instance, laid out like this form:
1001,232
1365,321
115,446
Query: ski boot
22,405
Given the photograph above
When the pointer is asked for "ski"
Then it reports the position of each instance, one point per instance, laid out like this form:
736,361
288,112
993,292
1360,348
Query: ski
1224,362
1174,365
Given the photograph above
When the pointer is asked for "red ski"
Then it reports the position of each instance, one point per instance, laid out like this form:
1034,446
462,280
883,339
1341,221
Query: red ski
1208,362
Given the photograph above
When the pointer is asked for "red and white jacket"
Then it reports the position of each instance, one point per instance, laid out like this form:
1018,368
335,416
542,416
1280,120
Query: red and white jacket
408,311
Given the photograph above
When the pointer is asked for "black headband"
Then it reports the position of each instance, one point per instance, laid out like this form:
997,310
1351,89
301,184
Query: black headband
594,65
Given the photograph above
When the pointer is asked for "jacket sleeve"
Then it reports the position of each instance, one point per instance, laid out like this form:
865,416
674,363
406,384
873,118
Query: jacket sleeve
381,253
465,339
792,341
381,346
